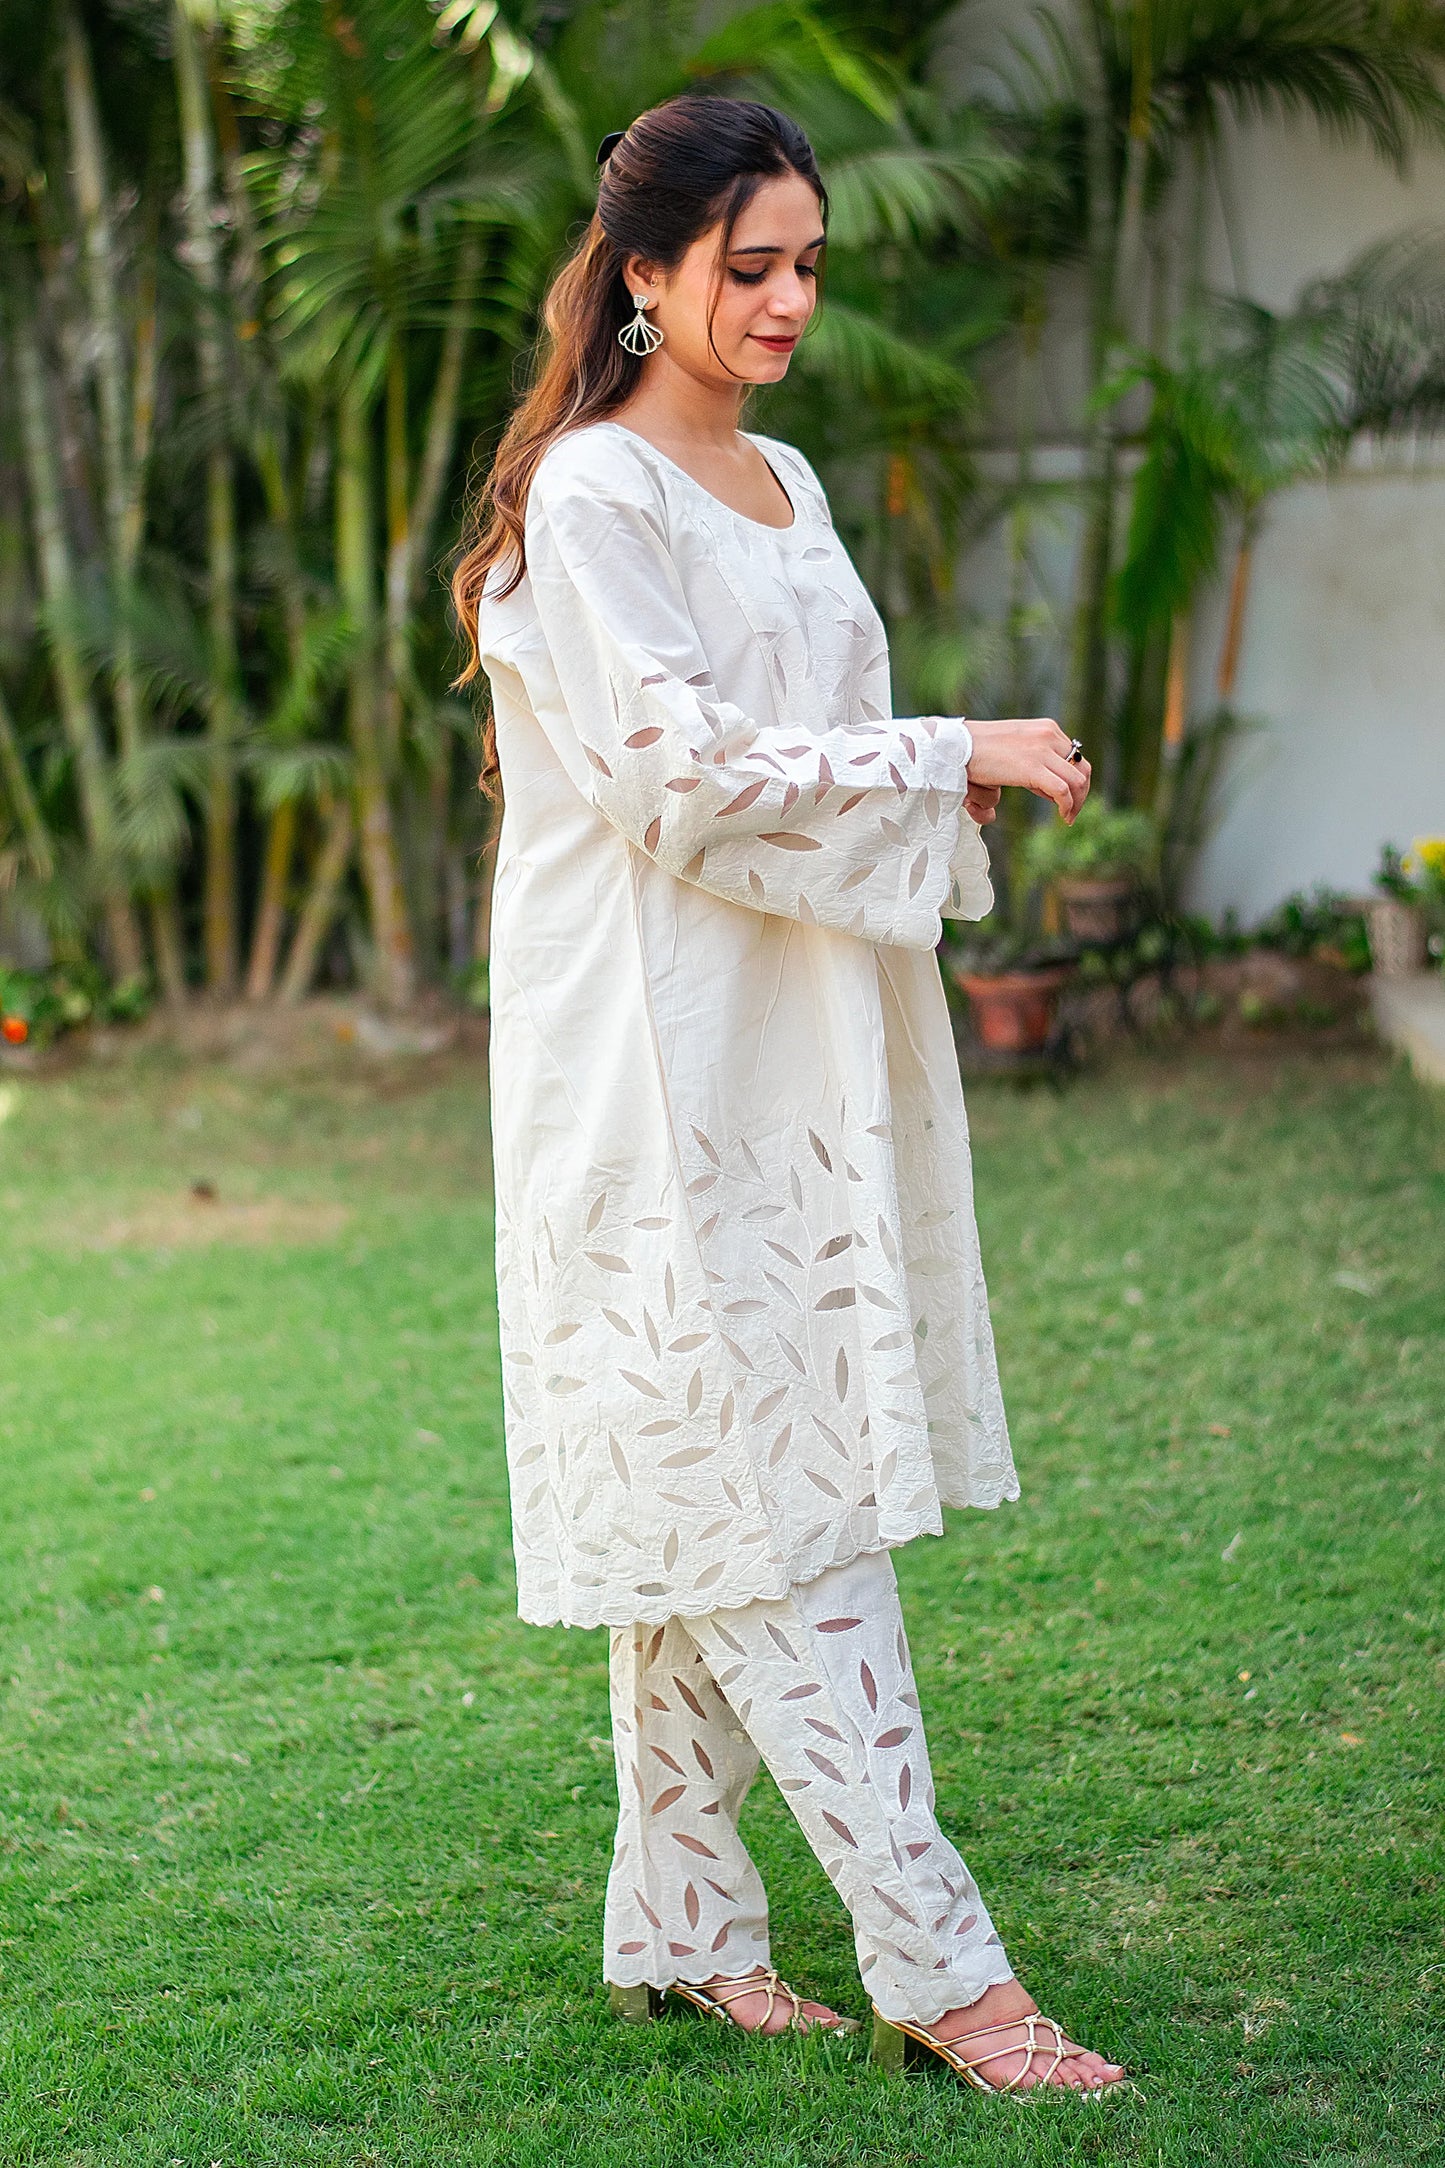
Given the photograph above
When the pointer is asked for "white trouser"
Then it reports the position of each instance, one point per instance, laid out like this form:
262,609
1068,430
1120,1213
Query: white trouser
820,1687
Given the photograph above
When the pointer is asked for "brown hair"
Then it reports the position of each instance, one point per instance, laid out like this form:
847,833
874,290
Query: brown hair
682,167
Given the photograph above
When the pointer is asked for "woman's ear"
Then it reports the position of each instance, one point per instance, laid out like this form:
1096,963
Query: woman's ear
640,274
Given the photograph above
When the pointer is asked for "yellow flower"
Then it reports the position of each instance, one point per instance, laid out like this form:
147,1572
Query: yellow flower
1427,855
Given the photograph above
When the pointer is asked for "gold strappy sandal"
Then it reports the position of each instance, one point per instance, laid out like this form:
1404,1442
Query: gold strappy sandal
891,2043
635,2005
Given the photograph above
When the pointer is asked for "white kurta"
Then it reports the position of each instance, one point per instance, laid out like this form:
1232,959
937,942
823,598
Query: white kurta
744,1334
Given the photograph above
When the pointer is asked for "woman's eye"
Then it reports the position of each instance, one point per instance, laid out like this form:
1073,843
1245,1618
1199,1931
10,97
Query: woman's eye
749,278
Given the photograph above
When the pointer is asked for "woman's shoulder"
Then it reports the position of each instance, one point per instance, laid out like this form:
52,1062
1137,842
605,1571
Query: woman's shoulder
600,460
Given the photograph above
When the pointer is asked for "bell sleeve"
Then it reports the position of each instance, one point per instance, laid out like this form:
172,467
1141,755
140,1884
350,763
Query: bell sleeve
860,828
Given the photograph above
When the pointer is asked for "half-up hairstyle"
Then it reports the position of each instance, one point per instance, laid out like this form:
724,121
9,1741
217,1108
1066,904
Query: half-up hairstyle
680,169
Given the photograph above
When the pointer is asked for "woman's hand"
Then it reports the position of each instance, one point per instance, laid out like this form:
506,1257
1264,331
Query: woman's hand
981,803
1032,754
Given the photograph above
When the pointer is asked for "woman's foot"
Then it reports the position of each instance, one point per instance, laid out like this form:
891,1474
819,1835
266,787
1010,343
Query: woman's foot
1003,2057
783,2011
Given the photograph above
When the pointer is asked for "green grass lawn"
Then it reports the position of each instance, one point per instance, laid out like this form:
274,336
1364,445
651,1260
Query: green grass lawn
303,1835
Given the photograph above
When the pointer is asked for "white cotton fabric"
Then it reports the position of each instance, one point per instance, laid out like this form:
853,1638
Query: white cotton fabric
820,1687
744,1333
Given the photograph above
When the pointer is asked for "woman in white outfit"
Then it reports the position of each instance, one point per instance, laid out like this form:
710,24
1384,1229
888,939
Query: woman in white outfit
745,1340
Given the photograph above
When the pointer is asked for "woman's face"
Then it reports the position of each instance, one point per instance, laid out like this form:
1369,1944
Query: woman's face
768,290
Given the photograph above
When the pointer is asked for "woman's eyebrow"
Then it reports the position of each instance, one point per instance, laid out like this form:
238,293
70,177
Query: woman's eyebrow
775,248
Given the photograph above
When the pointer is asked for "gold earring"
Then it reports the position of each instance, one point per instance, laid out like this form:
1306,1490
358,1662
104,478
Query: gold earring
638,335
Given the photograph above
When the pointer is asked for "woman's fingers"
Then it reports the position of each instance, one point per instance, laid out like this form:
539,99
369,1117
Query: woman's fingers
981,803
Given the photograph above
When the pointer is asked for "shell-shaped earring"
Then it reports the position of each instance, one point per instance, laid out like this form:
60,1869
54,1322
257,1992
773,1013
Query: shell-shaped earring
638,335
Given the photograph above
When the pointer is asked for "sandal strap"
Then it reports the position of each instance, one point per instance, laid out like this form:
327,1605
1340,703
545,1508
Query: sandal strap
767,1983
969,2066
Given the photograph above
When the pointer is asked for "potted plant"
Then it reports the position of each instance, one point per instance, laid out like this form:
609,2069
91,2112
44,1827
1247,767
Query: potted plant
1395,917
1096,867
1013,985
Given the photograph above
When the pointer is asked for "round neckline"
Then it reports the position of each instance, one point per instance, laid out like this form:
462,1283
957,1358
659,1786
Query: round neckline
761,525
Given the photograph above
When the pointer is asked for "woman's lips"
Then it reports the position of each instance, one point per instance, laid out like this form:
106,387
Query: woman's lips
781,345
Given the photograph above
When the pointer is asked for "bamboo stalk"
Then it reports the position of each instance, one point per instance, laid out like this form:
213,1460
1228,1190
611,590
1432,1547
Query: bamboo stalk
24,803
319,909
77,711
271,906
380,867
223,701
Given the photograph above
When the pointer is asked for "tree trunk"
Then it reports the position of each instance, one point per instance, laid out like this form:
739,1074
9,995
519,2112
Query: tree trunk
395,964
1232,644
319,909
72,682
223,702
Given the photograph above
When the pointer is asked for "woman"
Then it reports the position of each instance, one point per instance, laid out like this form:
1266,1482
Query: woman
745,1344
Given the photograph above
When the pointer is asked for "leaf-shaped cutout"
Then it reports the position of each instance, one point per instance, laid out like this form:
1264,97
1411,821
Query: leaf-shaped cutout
725,1413
694,1845
682,782
755,887
564,1385
649,736
821,1150
710,1574
560,1332
669,1290
669,1798
829,1769
619,1460
617,1321
840,1829
833,1247
643,1385
706,1145
895,1737
749,795
685,1342
607,1261
792,1354
785,839
651,833
840,1374
905,1786
692,871
597,761
837,1298
663,1429
820,1482
780,1445
780,1249
688,1457
694,1392
769,1403
670,1549
691,1904
599,1206
917,873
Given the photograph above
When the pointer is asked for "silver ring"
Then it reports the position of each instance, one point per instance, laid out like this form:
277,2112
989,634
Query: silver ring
1076,750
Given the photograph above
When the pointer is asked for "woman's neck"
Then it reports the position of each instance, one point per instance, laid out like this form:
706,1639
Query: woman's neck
672,407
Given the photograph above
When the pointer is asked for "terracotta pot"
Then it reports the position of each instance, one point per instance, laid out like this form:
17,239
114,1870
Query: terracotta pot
1096,908
1397,936
1013,1011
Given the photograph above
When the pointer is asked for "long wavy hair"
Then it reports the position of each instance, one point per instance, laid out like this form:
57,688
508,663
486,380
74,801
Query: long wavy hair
680,169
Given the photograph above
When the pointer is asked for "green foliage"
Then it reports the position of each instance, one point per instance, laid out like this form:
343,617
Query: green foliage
1102,841
62,998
